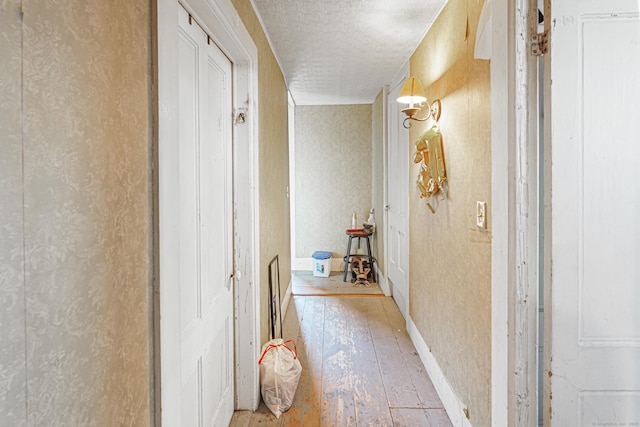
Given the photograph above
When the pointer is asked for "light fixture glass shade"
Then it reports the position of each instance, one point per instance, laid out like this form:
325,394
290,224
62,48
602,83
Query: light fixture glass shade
412,92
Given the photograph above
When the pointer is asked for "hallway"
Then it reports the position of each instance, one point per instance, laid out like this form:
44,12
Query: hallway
359,367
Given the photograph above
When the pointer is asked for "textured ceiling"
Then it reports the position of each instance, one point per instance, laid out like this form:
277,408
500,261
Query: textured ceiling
343,51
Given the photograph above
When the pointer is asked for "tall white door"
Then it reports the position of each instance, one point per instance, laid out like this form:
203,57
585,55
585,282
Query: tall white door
595,230
398,203
206,258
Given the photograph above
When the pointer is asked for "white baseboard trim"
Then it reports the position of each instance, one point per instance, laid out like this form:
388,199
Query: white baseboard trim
454,407
382,281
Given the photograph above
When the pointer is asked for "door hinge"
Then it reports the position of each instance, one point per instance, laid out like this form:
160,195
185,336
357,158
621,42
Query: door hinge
540,43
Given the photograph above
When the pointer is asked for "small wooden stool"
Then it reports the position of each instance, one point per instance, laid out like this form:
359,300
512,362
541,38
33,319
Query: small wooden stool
359,234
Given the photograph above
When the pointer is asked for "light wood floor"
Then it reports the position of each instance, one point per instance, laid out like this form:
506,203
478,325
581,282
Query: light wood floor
359,368
305,283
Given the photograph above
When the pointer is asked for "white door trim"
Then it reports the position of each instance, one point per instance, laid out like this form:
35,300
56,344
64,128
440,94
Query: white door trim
291,124
223,24
501,187
397,79
384,280
525,208
514,288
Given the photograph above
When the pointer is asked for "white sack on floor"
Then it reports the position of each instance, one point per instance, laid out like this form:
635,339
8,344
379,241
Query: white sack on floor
280,372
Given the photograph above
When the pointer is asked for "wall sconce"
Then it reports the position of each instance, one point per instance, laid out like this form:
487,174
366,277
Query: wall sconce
412,94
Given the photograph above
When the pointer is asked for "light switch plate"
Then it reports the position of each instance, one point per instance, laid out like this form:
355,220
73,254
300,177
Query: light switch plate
481,215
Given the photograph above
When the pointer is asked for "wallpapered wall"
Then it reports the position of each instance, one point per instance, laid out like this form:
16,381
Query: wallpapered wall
450,259
75,216
12,286
275,236
333,175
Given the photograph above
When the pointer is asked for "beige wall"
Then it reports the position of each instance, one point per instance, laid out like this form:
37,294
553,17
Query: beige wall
450,261
377,177
333,175
274,162
12,283
76,212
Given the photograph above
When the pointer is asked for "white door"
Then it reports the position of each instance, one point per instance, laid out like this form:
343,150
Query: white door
206,298
595,252
398,203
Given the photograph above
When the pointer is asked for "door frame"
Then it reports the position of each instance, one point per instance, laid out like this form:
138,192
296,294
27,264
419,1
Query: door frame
515,216
400,76
384,282
221,21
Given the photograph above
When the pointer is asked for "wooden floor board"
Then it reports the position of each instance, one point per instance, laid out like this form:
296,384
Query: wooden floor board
398,383
307,284
359,368
420,378
409,417
338,406
438,418
310,317
370,398
264,418
241,419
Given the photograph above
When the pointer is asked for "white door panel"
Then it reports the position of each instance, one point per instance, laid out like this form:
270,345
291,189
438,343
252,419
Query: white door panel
398,204
595,58
206,299
188,55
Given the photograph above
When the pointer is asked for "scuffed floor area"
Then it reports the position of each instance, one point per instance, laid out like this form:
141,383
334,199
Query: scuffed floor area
359,368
